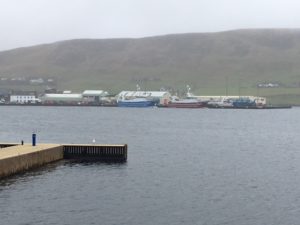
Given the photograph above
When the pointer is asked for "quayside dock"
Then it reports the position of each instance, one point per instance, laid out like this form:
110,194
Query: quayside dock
15,158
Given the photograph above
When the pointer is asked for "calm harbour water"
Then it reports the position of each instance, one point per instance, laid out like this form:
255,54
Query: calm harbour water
185,166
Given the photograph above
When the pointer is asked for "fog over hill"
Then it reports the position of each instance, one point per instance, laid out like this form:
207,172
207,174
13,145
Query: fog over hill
203,60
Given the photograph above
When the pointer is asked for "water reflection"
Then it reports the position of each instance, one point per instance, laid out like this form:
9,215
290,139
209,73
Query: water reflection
31,174
37,172
237,167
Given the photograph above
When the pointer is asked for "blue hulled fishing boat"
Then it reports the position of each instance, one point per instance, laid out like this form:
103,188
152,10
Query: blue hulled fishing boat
136,102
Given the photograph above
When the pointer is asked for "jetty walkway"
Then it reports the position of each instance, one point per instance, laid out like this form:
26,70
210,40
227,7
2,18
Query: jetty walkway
15,158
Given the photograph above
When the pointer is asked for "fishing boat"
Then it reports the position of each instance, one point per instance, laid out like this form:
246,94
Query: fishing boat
220,103
185,103
136,102
244,103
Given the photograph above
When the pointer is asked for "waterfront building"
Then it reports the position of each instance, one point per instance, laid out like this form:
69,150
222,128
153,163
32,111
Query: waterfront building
61,99
93,96
23,97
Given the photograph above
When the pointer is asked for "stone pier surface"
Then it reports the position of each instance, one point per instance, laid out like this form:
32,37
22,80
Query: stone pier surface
19,158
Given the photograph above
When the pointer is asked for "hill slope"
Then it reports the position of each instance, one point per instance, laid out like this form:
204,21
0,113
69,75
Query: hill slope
207,61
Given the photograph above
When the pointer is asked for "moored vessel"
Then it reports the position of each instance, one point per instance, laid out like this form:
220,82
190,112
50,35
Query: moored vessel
185,103
136,102
221,103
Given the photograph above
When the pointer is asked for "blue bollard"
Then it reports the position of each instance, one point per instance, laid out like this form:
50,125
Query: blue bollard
33,139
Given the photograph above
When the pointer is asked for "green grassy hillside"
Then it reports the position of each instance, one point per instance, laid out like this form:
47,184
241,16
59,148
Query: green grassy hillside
210,63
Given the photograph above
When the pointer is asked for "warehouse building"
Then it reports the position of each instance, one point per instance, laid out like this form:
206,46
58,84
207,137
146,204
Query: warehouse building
93,96
62,99
69,98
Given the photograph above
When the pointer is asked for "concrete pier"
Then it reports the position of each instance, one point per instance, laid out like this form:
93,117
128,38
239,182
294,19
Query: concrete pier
23,157
16,158
112,153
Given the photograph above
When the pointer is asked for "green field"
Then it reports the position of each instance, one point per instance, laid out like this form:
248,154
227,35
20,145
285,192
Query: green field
231,63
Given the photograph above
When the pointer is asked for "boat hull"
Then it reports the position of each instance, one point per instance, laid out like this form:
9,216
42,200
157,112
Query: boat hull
185,105
138,104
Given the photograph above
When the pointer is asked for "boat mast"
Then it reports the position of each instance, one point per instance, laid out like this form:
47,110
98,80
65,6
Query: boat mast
188,94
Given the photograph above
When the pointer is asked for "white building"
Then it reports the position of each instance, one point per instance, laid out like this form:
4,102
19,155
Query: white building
23,98
93,95
61,98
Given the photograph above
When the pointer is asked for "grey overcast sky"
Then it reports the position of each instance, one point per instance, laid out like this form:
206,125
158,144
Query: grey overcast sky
31,22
